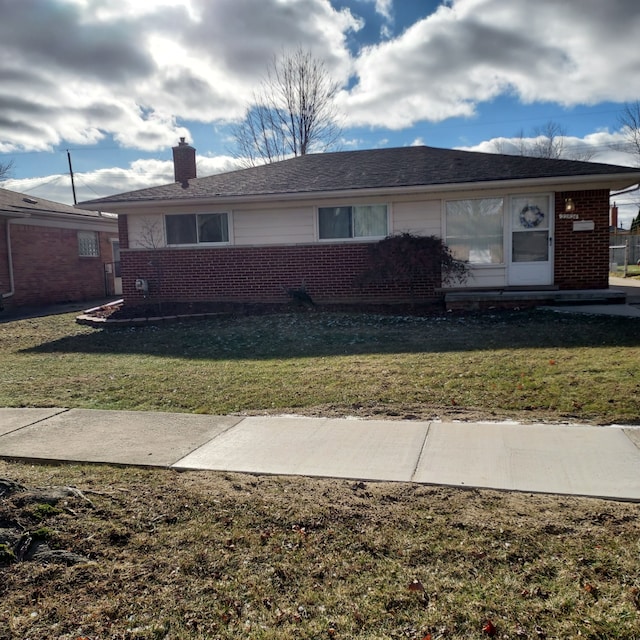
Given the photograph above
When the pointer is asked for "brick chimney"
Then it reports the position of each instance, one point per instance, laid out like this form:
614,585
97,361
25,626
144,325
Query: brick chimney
184,162
614,216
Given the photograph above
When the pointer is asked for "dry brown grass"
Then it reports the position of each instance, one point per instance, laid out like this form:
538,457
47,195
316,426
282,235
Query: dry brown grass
217,555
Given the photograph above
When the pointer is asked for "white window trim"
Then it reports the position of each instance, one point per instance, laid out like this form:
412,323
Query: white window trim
352,239
229,241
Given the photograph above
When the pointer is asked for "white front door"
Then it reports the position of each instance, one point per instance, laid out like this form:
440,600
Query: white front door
531,241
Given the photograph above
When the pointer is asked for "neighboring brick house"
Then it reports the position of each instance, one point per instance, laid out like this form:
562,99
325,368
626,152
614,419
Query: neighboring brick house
52,253
247,236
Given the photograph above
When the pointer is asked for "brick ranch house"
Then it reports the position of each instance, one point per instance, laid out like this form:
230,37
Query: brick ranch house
247,236
52,253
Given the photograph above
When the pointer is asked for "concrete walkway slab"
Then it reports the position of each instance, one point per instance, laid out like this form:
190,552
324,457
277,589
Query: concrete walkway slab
119,437
365,450
574,460
14,419
587,461
633,433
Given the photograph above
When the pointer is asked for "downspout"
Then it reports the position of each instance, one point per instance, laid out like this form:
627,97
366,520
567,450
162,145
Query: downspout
12,283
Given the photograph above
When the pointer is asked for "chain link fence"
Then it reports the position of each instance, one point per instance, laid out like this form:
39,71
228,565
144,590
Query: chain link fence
624,250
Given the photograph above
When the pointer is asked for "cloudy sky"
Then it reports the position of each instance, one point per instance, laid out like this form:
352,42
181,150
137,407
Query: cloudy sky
117,82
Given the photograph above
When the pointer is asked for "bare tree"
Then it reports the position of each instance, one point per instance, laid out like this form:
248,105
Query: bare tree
5,169
151,236
292,113
546,141
629,120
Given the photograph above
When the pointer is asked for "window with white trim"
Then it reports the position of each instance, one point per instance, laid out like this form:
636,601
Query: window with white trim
474,230
359,221
197,228
88,244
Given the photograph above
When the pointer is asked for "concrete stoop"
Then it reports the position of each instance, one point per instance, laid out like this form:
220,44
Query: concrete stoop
522,299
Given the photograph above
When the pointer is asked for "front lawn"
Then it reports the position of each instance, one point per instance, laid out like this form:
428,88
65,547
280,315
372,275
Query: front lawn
524,365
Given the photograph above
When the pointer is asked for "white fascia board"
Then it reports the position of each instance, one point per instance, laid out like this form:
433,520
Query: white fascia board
559,183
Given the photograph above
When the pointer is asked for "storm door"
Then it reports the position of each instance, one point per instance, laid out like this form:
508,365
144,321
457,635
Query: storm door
531,247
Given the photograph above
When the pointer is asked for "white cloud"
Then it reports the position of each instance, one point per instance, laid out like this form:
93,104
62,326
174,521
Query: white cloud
574,52
83,70
603,146
80,70
384,8
104,182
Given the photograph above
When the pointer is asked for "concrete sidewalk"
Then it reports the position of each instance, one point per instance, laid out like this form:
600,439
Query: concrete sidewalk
576,460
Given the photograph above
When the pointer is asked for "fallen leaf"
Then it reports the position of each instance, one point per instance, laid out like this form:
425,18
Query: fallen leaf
415,585
489,628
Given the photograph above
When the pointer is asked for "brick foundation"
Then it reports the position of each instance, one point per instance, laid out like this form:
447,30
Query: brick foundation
330,274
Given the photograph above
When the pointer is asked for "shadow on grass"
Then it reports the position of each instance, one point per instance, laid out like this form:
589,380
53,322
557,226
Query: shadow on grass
322,334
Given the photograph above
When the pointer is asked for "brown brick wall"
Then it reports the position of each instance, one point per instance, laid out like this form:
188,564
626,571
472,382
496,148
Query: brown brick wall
582,257
47,268
330,274
4,263
123,231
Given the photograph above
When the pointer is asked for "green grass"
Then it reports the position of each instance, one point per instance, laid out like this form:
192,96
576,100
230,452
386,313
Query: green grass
527,365
633,271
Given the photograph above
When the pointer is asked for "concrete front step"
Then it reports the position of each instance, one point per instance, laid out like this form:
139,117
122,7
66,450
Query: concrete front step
510,299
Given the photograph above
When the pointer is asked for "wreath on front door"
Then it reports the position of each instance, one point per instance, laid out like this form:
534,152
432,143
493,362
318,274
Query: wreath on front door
531,216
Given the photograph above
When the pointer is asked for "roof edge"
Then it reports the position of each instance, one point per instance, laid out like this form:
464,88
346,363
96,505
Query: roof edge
563,183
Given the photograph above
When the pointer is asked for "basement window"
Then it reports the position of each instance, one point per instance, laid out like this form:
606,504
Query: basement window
88,244
197,228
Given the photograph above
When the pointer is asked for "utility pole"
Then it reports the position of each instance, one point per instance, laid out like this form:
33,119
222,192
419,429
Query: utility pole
73,186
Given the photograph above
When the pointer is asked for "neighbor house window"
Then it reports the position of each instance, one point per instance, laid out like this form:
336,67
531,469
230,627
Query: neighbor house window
88,244
197,228
474,230
361,221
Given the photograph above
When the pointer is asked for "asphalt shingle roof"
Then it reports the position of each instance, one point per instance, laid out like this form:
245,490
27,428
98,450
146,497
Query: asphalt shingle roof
13,202
370,169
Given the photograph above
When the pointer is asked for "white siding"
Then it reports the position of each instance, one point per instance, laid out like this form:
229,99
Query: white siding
422,218
275,226
483,277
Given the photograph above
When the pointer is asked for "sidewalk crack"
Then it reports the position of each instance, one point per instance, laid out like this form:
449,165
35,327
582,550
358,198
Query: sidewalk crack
31,424
422,452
